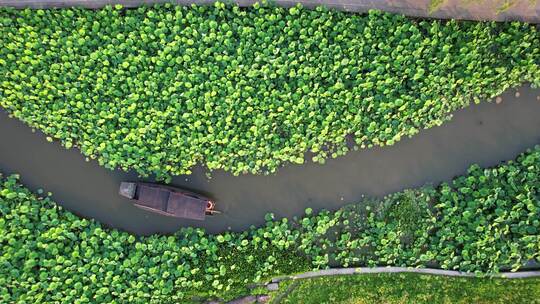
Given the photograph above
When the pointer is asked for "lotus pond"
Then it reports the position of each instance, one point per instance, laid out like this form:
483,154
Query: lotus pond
161,89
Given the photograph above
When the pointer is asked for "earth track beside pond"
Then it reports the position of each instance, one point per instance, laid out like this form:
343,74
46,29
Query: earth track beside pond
521,10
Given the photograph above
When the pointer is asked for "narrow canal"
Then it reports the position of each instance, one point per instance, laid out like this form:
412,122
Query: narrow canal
485,134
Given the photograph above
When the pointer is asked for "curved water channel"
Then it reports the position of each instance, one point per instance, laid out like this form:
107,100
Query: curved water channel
485,134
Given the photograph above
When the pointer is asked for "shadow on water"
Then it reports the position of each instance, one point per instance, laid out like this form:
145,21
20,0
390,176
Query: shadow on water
485,134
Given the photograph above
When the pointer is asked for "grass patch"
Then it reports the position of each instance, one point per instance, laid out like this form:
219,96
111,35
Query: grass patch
435,5
413,288
507,4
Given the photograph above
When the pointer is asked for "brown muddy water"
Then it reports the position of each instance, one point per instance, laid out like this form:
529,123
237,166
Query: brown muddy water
486,134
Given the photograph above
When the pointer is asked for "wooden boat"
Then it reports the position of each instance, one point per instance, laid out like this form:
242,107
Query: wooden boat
169,201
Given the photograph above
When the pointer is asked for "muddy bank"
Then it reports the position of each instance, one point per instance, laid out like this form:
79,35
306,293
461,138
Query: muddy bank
486,134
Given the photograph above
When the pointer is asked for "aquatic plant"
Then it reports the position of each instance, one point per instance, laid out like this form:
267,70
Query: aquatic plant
160,89
480,222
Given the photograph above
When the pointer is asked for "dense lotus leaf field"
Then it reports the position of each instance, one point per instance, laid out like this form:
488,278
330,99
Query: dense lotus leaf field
161,89
480,222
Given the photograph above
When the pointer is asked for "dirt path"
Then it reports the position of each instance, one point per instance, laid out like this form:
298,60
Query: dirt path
377,270
500,10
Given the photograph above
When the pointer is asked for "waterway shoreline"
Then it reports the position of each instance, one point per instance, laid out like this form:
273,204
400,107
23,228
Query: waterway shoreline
486,134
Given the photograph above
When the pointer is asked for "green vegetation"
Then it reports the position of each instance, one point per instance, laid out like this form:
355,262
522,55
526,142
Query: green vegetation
412,288
435,5
160,89
50,255
482,221
506,5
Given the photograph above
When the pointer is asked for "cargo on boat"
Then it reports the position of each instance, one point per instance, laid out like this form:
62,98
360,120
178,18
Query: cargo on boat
169,201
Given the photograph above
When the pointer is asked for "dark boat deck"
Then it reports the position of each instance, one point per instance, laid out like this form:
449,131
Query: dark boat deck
152,197
176,204
186,207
